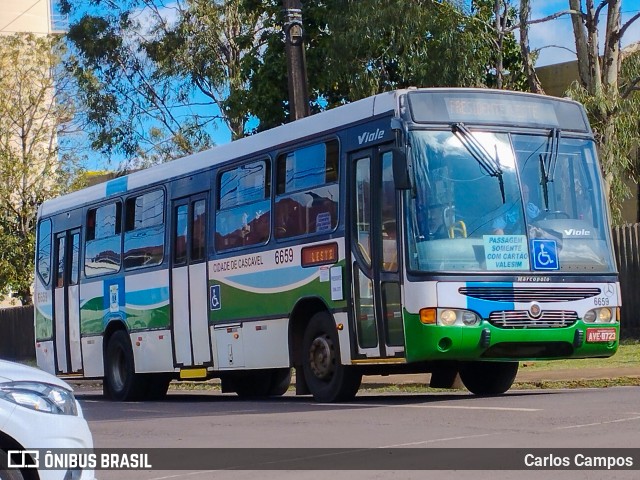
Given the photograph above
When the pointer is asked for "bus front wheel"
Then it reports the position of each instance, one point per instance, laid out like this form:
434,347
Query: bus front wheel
327,379
488,378
121,382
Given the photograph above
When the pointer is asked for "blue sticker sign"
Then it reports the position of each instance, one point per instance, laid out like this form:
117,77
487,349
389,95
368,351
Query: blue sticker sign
214,297
545,255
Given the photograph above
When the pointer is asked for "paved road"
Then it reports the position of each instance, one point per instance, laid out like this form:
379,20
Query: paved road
587,418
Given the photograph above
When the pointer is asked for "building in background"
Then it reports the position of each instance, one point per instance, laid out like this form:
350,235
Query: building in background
34,16
39,17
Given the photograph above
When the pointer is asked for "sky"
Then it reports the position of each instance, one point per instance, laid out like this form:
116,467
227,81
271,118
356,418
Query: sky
554,39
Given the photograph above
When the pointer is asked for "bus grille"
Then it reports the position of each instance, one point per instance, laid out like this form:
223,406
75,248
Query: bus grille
522,319
529,294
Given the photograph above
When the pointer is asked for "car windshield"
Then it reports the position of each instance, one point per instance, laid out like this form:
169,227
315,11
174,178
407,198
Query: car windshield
493,201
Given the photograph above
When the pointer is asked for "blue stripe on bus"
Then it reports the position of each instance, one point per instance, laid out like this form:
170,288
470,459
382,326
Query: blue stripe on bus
278,278
117,185
485,307
151,296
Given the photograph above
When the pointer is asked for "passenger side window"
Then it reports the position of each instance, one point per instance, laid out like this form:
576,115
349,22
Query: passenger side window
44,251
144,230
103,242
307,192
244,206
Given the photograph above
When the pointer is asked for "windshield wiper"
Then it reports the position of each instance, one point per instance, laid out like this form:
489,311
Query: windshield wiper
548,162
491,165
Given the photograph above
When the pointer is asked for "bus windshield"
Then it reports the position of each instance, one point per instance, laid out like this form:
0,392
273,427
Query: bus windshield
490,201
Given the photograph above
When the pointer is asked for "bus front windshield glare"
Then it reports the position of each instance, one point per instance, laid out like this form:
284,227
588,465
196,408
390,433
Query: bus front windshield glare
487,201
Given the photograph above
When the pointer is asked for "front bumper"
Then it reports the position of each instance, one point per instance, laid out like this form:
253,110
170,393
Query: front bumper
486,341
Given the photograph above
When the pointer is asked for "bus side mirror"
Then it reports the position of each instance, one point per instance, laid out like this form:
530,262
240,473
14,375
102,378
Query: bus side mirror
400,171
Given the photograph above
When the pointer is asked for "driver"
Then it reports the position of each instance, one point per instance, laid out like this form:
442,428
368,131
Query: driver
509,221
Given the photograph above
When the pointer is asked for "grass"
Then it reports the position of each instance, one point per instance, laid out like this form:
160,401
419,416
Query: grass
628,354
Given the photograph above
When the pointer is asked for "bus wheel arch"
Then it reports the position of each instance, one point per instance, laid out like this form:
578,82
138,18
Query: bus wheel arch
299,318
327,378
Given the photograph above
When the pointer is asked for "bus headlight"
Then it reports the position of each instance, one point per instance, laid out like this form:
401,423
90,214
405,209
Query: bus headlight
447,317
454,316
598,315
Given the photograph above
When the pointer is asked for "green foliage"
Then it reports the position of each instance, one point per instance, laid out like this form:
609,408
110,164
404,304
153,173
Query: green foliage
498,37
359,48
230,54
33,111
614,114
134,109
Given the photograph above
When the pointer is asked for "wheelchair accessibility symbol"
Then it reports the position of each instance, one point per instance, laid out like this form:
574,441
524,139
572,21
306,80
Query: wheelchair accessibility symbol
214,294
545,255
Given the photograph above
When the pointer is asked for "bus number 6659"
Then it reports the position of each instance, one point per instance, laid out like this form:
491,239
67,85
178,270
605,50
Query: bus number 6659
284,255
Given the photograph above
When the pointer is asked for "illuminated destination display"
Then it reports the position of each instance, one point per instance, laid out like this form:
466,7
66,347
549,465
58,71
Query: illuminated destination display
490,108
320,255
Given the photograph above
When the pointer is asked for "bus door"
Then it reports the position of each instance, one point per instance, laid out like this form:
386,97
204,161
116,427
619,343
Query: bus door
375,251
66,302
192,344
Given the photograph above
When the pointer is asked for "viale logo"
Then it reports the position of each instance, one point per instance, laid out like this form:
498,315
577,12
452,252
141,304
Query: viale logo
572,232
367,137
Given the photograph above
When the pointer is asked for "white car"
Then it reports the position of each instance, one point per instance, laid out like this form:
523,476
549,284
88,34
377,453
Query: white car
39,411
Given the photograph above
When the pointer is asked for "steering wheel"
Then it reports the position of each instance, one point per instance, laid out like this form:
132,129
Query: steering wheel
458,227
554,214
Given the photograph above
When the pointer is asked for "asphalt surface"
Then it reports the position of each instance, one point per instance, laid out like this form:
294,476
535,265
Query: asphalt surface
525,375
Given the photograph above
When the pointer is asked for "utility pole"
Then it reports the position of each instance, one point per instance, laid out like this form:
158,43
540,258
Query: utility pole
296,67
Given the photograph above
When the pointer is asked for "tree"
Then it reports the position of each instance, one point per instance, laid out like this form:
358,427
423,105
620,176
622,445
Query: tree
495,22
33,111
158,76
608,91
140,61
610,103
360,48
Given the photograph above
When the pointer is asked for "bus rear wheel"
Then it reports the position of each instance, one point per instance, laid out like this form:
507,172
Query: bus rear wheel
121,382
280,381
488,378
262,383
253,384
327,379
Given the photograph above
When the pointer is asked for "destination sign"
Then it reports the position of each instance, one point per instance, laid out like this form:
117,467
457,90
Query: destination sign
496,108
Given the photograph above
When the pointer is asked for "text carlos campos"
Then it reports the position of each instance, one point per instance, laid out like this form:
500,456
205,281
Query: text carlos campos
579,460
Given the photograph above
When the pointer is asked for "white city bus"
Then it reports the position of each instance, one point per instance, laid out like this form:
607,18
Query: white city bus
451,231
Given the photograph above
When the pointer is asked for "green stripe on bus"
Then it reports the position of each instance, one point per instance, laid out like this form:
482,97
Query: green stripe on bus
238,304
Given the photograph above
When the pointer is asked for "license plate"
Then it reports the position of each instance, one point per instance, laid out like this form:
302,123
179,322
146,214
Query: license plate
601,335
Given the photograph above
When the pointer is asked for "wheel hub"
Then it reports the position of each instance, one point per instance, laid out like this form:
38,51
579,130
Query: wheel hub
322,357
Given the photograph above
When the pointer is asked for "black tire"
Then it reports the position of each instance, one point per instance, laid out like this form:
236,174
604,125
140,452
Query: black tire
328,380
157,385
488,378
253,384
280,382
121,382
